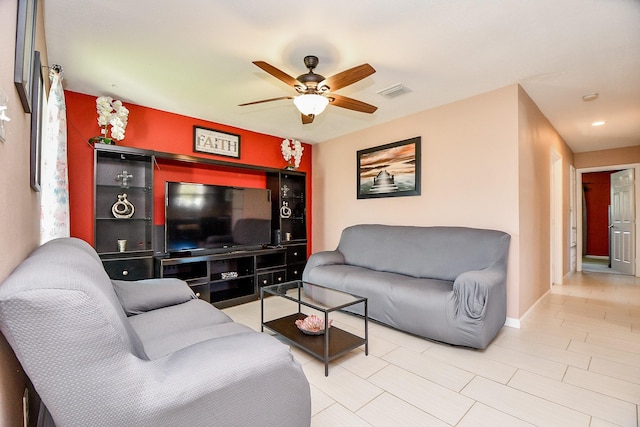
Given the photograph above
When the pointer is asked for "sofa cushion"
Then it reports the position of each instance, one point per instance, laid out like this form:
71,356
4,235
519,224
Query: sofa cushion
166,321
170,343
435,252
400,301
150,294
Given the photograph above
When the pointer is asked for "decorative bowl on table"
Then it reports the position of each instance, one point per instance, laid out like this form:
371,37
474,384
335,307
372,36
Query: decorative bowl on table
312,325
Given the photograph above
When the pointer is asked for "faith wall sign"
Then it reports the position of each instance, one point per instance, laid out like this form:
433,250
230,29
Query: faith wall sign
212,141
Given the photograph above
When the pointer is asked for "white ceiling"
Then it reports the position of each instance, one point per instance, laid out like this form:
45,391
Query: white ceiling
193,58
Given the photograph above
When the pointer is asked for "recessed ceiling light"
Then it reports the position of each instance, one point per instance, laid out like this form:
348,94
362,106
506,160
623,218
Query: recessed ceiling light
598,123
590,97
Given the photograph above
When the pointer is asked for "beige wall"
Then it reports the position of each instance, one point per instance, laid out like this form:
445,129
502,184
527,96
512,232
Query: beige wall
537,141
485,163
617,156
469,174
19,212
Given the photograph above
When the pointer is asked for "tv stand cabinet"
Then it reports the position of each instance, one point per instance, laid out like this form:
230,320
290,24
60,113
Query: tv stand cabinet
230,278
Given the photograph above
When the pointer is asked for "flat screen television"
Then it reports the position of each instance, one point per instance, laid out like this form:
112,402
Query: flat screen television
216,218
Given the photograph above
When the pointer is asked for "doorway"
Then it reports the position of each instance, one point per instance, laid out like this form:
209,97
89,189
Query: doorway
607,227
555,214
596,219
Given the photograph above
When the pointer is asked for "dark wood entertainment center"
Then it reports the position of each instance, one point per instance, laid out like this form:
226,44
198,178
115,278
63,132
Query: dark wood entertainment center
123,200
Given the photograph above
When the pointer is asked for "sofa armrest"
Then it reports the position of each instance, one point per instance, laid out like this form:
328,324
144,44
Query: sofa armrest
475,290
228,381
140,296
322,258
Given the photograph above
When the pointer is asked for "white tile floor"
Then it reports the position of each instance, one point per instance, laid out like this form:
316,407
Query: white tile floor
574,362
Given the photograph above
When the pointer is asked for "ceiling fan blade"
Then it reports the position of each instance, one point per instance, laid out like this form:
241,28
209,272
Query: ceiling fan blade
307,119
266,100
278,74
349,76
351,104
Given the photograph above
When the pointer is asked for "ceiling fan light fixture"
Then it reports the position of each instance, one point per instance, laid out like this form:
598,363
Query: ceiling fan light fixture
311,104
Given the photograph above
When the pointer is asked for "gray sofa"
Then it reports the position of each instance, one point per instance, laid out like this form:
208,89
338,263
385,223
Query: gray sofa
145,353
443,283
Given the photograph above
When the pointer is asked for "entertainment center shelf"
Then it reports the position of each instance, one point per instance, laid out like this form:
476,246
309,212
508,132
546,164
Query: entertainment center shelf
230,278
132,245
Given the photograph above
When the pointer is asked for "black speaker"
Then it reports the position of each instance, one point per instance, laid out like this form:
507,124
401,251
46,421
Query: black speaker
158,240
277,238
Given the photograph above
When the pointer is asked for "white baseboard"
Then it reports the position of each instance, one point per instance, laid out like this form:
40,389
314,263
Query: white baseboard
595,257
515,323
512,323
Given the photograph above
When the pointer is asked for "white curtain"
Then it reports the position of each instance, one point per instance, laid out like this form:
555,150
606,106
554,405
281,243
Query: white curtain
54,212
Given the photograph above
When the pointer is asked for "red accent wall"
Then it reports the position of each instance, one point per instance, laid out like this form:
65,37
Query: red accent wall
167,132
597,198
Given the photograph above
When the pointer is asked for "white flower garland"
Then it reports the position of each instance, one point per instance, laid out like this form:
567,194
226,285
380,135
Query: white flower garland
292,149
112,113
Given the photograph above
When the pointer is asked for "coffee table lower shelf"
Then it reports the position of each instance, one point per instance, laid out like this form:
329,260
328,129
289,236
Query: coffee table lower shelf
339,341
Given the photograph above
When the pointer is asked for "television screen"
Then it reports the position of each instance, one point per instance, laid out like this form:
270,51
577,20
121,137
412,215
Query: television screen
201,216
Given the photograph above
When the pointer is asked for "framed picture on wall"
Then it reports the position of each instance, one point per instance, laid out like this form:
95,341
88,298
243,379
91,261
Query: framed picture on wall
390,170
213,141
25,42
37,122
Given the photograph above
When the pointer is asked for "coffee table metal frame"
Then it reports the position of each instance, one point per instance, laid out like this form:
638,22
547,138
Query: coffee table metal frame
334,342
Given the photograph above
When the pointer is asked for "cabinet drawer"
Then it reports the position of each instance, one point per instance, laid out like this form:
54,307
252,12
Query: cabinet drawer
296,253
272,277
129,268
294,272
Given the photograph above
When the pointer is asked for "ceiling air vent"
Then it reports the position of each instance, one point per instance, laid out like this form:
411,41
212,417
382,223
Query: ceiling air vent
394,91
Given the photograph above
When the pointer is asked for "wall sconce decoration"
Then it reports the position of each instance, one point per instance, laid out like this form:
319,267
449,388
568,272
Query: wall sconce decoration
3,115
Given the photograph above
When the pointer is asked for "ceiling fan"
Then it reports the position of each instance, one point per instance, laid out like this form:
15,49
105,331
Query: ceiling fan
314,89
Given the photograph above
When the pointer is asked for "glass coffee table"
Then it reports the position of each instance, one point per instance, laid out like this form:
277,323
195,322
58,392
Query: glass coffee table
308,299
